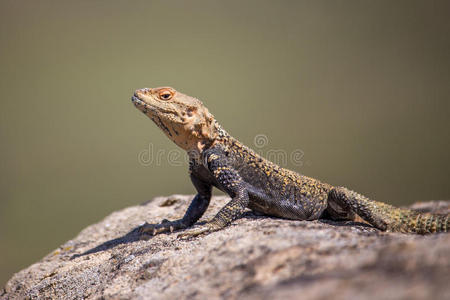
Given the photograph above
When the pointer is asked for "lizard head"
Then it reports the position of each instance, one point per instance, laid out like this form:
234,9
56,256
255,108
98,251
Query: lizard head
184,119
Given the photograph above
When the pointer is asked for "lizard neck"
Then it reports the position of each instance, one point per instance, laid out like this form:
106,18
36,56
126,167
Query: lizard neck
212,136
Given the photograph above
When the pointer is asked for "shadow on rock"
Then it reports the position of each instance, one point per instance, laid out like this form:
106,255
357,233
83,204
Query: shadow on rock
131,237
134,235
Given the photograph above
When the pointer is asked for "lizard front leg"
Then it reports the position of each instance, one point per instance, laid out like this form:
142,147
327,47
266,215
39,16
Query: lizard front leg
233,185
195,211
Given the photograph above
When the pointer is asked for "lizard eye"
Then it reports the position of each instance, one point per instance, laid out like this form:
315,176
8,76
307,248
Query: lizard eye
165,95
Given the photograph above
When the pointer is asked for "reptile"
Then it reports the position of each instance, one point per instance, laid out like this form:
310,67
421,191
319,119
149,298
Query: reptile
216,159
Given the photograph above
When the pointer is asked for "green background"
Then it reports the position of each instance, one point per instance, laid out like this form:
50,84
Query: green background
361,87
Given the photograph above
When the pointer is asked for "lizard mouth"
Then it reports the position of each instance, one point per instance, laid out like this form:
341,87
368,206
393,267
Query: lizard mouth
141,105
136,100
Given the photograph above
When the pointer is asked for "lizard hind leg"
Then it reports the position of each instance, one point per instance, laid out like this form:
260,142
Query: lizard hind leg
378,214
387,217
336,212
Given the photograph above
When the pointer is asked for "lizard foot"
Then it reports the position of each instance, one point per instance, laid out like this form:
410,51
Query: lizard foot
205,229
164,226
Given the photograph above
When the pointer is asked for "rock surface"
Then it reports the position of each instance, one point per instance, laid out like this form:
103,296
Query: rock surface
257,257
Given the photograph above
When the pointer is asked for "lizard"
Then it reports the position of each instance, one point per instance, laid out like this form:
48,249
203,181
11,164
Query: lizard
216,159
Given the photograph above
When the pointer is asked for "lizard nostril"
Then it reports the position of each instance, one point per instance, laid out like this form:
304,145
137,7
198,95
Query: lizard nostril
145,91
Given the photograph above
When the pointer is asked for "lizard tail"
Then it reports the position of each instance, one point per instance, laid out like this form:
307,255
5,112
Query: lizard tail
387,217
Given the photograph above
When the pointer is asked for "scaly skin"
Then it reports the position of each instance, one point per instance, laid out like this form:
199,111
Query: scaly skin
219,160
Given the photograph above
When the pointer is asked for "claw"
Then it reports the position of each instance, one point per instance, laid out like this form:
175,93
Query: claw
142,227
145,228
193,232
164,227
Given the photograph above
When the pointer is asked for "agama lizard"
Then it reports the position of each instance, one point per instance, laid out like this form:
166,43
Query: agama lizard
216,159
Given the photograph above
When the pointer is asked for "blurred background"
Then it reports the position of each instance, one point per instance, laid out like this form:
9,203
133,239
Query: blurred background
361,88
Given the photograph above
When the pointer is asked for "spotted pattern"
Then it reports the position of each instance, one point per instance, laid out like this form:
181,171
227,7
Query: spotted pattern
218,160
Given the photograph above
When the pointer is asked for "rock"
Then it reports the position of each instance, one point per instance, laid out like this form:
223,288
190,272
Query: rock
257,257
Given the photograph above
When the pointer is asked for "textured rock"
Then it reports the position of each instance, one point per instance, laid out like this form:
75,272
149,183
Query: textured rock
257,257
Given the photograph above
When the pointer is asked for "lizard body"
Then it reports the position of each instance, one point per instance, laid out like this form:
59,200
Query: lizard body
216,159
